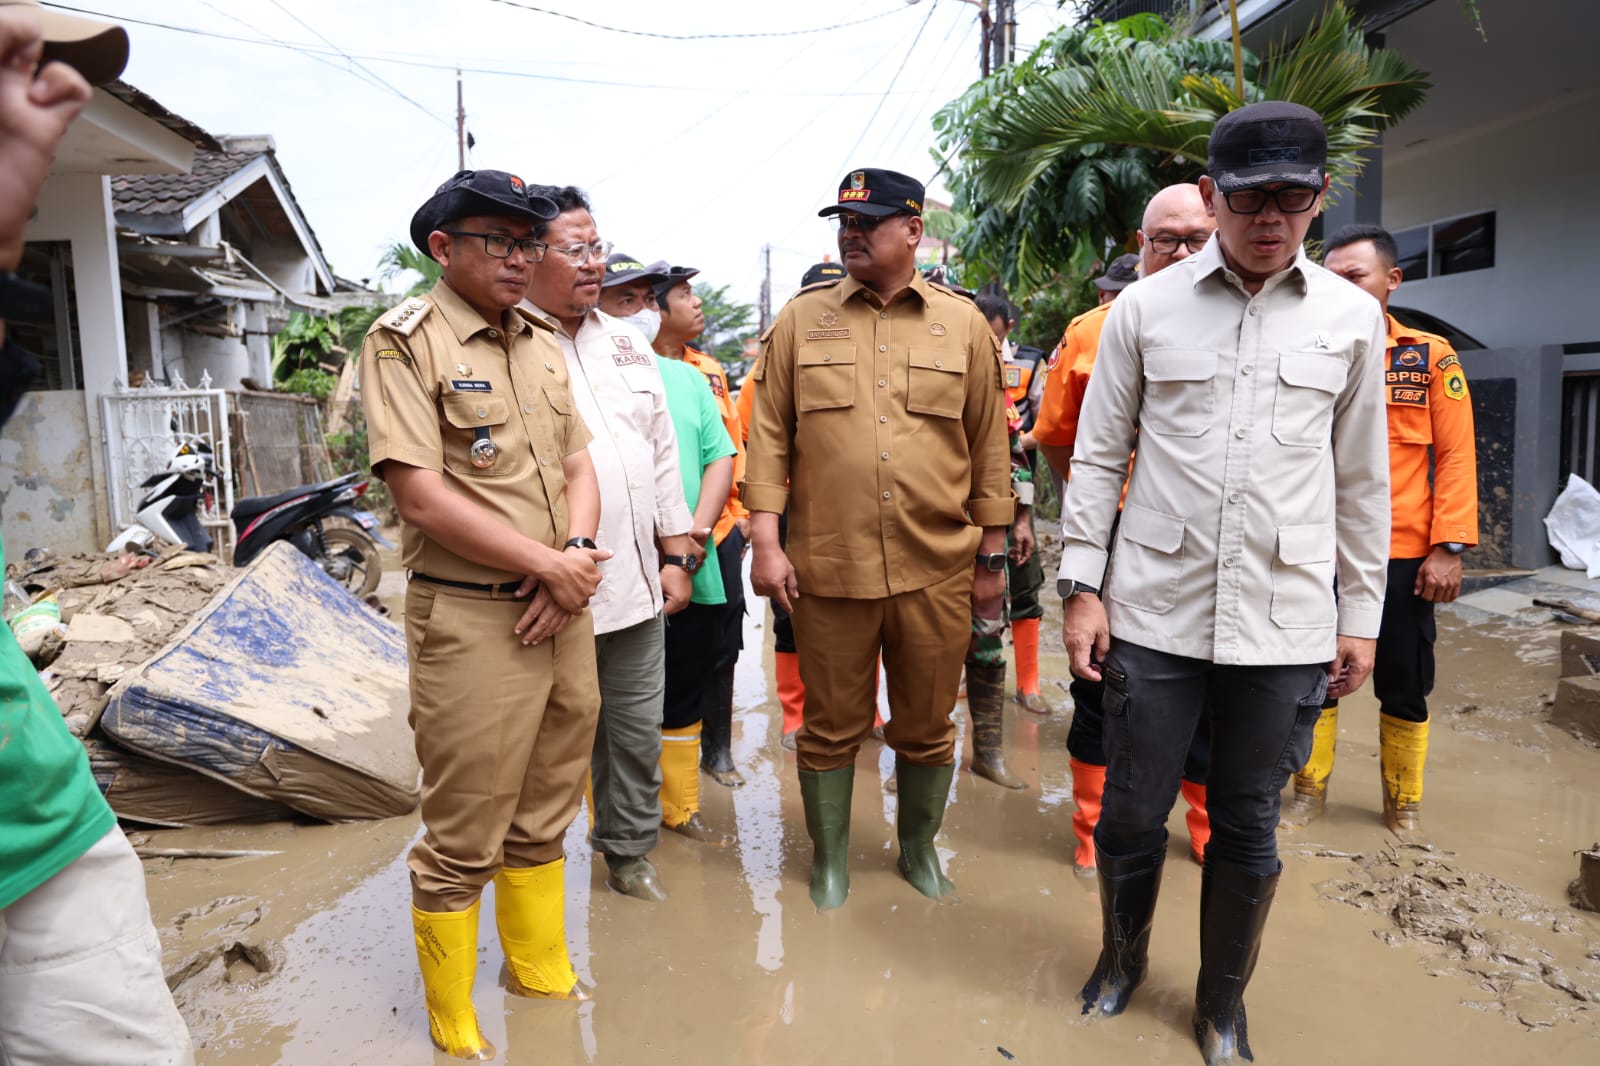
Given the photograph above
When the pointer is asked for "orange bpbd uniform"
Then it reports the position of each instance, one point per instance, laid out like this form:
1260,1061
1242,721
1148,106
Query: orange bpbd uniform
733,510
1018,376
1429,409
747,402
1057,421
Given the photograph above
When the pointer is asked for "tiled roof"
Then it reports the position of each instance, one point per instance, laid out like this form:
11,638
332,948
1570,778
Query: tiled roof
169,194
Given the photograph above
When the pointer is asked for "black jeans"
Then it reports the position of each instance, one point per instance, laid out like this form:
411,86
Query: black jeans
1261,723
729,555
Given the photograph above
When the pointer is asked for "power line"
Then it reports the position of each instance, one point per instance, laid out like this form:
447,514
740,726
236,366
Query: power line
694,36
919,100
932,5
381,82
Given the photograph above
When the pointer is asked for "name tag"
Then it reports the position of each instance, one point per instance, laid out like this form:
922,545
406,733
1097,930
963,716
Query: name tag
827,334
472,386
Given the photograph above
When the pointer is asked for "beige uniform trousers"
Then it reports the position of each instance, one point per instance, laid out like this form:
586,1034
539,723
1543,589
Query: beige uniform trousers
503,733
923,636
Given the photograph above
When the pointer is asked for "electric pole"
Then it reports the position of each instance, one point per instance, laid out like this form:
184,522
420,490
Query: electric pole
1002,35
766,288
461,126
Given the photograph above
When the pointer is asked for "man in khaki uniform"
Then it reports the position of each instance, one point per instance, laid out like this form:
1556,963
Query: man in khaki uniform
473,427
880,424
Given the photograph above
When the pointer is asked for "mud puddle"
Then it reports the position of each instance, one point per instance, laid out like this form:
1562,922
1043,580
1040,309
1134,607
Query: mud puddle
305,955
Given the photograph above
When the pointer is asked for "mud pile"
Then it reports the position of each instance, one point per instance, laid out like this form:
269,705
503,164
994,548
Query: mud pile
1534,963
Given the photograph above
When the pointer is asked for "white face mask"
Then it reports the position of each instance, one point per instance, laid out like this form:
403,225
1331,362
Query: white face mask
646,320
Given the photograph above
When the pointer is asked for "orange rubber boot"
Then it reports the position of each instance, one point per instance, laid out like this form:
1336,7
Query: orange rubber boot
1088,784
791,690
1197,818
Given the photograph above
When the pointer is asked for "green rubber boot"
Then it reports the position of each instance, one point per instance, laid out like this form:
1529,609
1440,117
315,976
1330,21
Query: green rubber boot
923,791
826,795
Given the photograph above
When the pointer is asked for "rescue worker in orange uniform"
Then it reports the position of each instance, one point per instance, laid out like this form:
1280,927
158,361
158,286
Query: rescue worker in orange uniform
1434,521
1175,225
682,320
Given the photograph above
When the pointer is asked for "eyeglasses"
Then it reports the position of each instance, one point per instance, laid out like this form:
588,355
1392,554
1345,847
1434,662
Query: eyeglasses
1291,199
499,245
864,223
1167,245
579,254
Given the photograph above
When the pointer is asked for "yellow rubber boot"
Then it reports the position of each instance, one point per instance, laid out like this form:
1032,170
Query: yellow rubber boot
1404,748
447,952
680,786
529,909
1311,783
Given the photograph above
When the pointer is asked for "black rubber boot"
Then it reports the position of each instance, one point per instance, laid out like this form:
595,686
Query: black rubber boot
1233,913
716,732
922,794
1129,886
826,796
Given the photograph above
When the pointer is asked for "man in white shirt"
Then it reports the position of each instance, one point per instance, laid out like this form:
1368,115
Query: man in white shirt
619,393
1239,370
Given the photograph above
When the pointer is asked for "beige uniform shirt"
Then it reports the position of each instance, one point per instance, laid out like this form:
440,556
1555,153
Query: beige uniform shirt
619,393
435,377
1263,464
883,430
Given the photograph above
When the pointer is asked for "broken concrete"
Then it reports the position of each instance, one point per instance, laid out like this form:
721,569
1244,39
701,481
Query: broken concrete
1577,707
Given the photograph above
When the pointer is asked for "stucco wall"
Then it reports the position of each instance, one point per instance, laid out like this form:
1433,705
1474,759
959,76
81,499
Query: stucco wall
47,496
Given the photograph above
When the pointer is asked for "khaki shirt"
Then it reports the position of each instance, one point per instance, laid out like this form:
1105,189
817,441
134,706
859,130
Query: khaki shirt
434,377
618,389
883,430
1263,464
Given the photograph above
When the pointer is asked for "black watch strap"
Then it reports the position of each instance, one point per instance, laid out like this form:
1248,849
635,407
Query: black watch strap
1068,588
687,562
580,542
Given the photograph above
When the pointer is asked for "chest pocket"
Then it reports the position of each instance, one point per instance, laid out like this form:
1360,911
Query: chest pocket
938,382
470,415
825,376
1302,411
1180,391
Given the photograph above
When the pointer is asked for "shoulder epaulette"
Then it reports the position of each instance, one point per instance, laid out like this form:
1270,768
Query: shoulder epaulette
535,319
825,283
405,318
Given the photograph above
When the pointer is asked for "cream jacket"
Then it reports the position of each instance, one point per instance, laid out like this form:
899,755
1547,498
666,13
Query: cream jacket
1262,469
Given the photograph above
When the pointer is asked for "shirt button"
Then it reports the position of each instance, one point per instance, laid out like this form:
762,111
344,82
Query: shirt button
886,495
886,455
1231,278
1233,497
1254,309
826,358
883,314
527,408
939,363
1246,369
492,333
1228,561
883,418
882,383
1239,433
883,347
483,413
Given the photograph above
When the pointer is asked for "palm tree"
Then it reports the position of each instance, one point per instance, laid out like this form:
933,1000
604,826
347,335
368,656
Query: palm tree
1060,152
399,259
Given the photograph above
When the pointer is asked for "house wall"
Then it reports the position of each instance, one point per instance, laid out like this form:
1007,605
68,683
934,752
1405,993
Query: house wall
1541,287
47,490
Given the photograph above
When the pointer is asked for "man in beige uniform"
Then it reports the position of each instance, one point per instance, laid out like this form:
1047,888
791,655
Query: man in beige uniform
880,423
473,427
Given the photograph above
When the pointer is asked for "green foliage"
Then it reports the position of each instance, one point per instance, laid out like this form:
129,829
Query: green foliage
1045,313
348,451
728,323
308,342
401,260
310,381
1059,153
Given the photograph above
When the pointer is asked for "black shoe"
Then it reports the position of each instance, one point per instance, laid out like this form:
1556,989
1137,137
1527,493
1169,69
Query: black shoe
1129,885
1233,913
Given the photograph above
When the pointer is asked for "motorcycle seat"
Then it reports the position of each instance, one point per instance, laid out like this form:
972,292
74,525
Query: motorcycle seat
250,507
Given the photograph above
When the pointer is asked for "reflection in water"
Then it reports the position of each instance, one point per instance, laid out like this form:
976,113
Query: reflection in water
580,860
758,806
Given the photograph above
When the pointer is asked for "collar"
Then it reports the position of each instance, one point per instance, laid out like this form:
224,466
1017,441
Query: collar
849,287
550,321
464,320
1209,260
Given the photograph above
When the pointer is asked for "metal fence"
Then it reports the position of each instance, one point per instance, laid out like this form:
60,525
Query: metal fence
1580,425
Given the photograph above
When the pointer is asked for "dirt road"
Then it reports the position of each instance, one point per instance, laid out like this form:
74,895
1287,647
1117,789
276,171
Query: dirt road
1468,953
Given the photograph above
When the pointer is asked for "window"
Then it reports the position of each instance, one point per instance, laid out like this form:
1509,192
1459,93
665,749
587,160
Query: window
1452,246
49,263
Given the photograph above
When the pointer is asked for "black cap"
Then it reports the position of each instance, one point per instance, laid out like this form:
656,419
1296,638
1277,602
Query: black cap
879,193
821,272
1267,142
479,192
667,278
621,268
1120,273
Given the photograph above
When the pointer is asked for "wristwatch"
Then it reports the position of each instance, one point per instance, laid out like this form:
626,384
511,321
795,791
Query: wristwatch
993,563
690,563
1453,547
579,542
1069,588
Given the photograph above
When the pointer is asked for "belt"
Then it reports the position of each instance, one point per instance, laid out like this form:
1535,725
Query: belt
506,588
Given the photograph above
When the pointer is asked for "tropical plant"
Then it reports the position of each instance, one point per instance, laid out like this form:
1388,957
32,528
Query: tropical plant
1057,154
314,343
728,323
400,260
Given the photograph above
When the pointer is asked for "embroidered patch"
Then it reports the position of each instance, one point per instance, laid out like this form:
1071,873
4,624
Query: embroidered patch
1407,356
1455,384
717,388
1054,358
1449,361
827,320
938,329
1013,377
630,358
472,386
1407,394
827,334
395,354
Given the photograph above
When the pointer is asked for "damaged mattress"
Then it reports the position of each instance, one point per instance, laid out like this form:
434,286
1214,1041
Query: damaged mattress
284,686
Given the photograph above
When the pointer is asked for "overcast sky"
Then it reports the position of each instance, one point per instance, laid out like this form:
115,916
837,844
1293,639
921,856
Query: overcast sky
695,151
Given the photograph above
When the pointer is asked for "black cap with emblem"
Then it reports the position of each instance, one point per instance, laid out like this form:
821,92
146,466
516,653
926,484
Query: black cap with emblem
824,271
621,268
1120,273
667,279
479,192
879,193
1267,142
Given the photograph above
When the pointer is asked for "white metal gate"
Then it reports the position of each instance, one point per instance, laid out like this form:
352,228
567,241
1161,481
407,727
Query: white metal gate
144,427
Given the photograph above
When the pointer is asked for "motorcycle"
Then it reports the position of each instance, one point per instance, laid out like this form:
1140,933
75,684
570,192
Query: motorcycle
170,506
349,556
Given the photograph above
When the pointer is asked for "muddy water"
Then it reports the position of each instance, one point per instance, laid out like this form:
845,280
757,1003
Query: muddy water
1466,954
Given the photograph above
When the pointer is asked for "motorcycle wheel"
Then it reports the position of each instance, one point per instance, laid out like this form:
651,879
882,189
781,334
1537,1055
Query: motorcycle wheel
352,560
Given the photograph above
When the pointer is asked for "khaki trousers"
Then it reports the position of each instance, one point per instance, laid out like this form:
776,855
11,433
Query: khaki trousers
503,733
923,638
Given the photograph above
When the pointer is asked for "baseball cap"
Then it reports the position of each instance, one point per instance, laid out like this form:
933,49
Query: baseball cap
479,192
621,267
97,50
1267,142
667,278
1120,273
879,193
824,271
